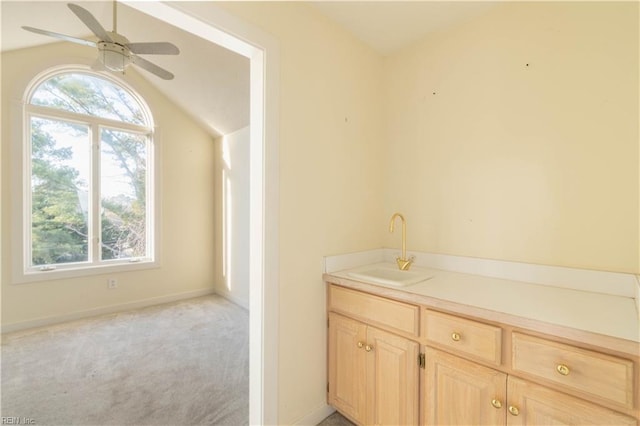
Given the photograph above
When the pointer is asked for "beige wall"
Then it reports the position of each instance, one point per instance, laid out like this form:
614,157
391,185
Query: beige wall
186,170
532,163
232,216
330,181
515,136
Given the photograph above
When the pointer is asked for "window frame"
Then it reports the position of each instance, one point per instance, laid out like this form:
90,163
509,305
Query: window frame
23,272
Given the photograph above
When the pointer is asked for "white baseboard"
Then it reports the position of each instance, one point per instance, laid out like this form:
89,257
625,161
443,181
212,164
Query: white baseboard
316,416
57,319
235,299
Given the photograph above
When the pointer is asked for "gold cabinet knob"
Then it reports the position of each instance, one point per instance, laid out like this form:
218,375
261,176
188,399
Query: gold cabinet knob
514,410
562,369
368,348
360,345
496,403
455,336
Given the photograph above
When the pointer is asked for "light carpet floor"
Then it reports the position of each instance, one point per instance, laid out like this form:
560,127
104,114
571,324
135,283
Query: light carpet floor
336,419
185,363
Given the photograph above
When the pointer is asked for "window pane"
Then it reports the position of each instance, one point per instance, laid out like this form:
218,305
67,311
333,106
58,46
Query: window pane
88,95
123,169
60,173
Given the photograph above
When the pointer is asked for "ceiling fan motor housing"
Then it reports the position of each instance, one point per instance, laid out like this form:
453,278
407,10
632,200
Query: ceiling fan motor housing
115,56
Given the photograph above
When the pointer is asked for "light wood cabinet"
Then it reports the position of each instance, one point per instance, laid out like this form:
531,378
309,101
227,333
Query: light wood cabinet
347,367
392,379
373,374
474,371
603,377
397,317
531,404
460,392
471,338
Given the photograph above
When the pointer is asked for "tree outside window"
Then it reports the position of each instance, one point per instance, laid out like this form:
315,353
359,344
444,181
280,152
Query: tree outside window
89,146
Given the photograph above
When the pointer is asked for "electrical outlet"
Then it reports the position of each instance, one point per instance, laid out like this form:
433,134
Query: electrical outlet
112,283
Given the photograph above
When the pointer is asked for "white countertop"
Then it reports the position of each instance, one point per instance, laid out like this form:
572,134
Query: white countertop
605,314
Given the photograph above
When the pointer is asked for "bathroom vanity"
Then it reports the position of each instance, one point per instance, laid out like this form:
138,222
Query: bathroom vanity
459,348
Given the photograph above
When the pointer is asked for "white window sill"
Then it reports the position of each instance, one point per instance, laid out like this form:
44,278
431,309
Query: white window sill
82,271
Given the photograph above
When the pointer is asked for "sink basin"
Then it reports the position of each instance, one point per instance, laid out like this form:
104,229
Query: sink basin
390,276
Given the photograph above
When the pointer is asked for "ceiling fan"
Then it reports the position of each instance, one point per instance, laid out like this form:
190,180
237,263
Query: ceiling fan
115,52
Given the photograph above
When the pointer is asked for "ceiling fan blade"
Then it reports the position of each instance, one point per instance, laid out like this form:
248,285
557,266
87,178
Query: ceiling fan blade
151,67
87,18
154,48
60,36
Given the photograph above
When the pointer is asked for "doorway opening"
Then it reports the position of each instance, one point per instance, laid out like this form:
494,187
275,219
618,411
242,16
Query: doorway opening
221,28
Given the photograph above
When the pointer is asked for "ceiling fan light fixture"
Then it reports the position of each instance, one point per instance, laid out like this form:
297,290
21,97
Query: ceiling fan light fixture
113,56
115,53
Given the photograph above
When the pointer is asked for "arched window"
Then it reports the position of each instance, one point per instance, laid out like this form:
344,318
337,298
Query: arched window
88,174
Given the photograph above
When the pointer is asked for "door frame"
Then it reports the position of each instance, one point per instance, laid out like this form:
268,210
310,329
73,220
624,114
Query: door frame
212,23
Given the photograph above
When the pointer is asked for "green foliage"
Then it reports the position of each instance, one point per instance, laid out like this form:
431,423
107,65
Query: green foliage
58,228
89,95
60,199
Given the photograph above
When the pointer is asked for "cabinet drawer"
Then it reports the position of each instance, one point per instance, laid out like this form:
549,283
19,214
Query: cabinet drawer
386,313
601,375
463,336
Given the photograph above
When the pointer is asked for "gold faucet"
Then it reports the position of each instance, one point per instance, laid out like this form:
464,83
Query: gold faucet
402,261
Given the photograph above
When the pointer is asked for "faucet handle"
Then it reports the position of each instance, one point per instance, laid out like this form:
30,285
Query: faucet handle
404,264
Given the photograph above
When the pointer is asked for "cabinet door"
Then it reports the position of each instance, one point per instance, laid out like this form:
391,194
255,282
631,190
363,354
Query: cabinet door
347,366
460,392
531,404
392,379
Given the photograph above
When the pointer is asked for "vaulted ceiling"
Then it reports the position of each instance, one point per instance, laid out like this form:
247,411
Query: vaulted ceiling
391,25
212,83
